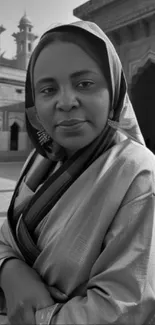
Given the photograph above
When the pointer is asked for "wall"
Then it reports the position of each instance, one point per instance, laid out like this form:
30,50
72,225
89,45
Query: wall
12,83
114,13
10,94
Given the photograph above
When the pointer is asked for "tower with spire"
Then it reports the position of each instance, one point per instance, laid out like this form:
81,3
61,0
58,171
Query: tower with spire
25,42
15,143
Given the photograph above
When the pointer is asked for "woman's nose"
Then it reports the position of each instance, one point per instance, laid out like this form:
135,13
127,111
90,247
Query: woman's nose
67,100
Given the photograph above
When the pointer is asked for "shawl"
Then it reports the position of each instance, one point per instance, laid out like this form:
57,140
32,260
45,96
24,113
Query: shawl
90,214
23,225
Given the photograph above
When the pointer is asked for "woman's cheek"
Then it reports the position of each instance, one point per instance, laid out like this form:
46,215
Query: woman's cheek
42,110
46,122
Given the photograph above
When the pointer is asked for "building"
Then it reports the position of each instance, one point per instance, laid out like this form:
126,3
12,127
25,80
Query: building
14,142
130,25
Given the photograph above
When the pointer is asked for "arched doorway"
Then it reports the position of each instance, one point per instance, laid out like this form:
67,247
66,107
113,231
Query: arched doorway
143,100
14,136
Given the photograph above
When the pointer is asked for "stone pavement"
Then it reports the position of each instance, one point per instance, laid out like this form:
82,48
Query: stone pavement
9,173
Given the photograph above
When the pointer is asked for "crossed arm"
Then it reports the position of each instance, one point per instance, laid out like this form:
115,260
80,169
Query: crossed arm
121,282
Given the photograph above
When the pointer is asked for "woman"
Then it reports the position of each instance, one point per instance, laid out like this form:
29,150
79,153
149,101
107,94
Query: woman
78,245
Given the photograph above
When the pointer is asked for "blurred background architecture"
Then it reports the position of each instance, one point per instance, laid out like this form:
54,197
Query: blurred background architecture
14,142
130,25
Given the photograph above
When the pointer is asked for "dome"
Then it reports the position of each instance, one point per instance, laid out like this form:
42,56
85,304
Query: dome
25,20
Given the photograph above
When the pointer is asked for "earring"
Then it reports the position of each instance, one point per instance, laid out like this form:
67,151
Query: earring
111,114
43,137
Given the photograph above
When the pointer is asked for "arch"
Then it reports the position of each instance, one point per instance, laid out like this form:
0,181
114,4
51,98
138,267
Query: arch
141,70
143,100
17,117
14,135
138,65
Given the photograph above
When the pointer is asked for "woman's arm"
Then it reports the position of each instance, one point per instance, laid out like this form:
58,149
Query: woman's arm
8,247
121,284
25,291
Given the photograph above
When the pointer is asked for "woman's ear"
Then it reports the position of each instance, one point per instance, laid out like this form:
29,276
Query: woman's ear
111,114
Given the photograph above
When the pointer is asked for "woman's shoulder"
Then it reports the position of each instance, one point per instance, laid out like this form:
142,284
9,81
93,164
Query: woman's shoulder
129,159
140,166
131,166
140,153
138,162
136,154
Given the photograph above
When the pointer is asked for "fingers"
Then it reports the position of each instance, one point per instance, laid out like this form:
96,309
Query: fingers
23,315
44,301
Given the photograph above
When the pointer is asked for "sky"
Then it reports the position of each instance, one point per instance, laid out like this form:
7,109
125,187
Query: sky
42,13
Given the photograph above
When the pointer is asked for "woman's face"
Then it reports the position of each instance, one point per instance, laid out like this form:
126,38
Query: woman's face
71,95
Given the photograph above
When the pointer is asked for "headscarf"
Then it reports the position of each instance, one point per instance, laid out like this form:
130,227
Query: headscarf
123,117
123,124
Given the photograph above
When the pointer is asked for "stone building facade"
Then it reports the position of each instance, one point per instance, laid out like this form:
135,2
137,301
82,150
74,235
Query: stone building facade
130,25
14,142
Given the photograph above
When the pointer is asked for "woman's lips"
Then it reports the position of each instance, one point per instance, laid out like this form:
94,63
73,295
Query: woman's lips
70,123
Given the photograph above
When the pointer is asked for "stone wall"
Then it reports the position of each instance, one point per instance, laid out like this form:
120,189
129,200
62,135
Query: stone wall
10,94
130,25
12,84
113,14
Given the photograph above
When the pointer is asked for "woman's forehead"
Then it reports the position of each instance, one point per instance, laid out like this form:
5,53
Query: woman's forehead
63,57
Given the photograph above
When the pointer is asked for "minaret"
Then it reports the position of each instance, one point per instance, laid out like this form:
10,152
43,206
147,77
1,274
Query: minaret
2,29
25,42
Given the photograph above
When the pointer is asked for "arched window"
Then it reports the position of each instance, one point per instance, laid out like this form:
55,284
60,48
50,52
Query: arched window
14,134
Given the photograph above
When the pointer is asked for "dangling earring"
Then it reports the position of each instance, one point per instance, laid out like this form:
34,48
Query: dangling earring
43,137
111,114
111,122
53,150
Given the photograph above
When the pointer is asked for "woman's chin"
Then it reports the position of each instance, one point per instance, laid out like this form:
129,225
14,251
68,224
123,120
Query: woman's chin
74,146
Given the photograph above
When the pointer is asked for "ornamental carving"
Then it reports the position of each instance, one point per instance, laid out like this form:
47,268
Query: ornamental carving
139,63
16,117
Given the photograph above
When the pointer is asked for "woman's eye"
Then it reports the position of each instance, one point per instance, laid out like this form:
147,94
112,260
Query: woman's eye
85,84
48,90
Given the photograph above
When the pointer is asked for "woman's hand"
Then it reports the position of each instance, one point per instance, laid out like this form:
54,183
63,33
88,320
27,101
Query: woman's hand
24,292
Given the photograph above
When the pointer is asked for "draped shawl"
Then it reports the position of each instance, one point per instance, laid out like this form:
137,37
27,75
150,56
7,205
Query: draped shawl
124,121
72,231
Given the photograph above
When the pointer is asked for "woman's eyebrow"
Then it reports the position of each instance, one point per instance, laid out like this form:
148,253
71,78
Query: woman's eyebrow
72,76
44,81
82,73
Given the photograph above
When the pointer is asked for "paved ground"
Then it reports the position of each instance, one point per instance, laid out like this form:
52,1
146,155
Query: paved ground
9,173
